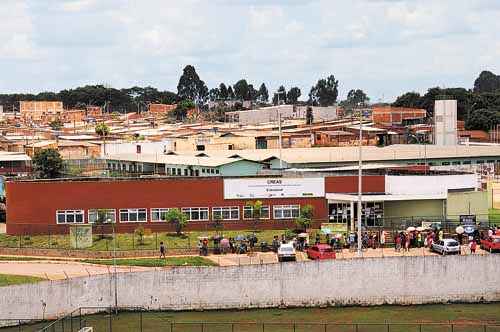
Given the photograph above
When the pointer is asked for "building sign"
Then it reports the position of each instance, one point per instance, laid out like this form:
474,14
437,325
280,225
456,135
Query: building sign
274,188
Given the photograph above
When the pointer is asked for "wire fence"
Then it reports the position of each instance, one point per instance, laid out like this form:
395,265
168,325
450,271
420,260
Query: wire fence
148,236
139,319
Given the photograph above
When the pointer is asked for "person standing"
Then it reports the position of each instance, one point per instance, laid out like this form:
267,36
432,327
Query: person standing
472,246
163,250
382,238
398,242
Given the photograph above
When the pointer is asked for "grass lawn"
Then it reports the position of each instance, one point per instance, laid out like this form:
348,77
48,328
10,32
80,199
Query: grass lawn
151,262
127,241
11,279
160,321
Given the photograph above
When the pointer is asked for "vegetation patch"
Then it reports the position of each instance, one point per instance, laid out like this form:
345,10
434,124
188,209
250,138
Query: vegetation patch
12,279
152,262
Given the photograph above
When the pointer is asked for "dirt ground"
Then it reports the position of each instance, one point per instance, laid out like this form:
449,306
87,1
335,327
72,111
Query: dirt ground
54,270
60,270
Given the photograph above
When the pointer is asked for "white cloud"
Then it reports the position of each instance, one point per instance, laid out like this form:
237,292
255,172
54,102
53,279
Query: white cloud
384,47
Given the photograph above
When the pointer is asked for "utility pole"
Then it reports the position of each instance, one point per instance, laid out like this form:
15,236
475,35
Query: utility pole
360,182
114,267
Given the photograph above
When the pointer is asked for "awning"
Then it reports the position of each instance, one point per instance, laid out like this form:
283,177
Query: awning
333,197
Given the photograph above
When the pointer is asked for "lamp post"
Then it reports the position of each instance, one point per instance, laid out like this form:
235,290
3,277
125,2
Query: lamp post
114,266
360,181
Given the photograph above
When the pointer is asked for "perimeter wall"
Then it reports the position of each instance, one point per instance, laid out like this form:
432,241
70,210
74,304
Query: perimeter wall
368,281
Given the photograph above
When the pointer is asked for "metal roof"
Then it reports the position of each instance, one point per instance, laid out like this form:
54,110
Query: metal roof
174,159
14,156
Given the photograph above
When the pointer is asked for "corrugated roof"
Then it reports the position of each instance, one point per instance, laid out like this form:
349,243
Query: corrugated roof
174,159
14,156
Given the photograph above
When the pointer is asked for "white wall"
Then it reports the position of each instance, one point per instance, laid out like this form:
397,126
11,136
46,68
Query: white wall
428,184
131,147
369,281
445,122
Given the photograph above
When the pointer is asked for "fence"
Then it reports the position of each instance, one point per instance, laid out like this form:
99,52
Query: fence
141,320
40,236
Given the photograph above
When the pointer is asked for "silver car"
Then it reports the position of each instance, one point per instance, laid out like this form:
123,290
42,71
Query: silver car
446,246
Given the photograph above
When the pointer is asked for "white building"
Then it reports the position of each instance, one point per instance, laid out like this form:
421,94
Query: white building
445,122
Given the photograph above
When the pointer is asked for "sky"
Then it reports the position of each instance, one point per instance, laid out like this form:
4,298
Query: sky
385,47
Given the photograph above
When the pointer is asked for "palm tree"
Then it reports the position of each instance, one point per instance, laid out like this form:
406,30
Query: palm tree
102,130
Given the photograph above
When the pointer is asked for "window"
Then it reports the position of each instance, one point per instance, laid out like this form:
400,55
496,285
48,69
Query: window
286,211
226,213
196,213
133,215
248,212
70,216
185,172
108,214
157,214
445,163
479,162
216,171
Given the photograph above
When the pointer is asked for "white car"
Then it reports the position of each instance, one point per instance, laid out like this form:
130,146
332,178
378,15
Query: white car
446,246
286,252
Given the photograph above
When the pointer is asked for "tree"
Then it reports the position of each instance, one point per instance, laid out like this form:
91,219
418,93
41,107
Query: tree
263,94
309,115
191,86
325,92
182,108
256,212
252,93
102,130
293,95
214,94
409,99
354,98
176,217
48,163
56,124
487,82
483,119
241,90
100,221
280,96
139,231
230,93
304,220
223,91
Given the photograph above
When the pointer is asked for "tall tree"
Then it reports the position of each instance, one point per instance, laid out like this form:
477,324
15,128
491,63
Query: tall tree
191,86
214,94
408,99
280,96
355,97
293,95
223,91
48,163
487,82
483,119
325,92
252,93
230,93
263,94
241,90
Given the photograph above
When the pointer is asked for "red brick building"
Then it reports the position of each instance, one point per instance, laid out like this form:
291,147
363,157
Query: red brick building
50,206
161,108
388,115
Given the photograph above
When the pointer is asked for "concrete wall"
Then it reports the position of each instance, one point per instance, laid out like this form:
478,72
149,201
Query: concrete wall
371,281
417,208
472,202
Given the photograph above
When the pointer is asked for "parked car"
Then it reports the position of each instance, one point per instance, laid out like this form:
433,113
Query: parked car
446,246
286,252
321,251
491,243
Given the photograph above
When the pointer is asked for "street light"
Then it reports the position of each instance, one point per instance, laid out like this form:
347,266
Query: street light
114,264
360,181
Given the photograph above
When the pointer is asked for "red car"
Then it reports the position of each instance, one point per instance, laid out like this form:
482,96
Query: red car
321,251
491,244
